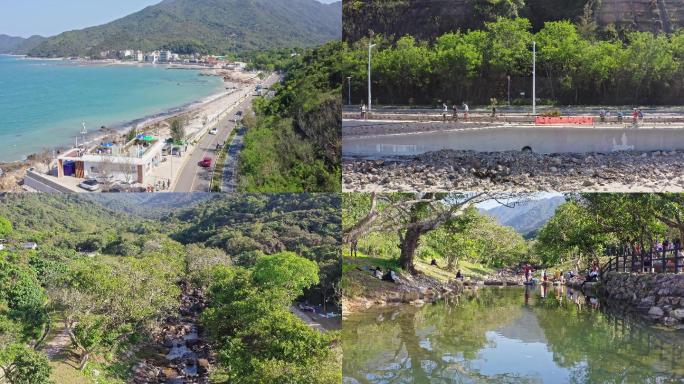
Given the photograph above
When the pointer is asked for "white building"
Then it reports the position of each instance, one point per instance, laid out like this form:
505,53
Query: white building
165,56
138,56
130,163
29,245
152,57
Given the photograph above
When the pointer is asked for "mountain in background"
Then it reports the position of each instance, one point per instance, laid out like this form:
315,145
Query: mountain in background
19,45
206,26
149,205
527,218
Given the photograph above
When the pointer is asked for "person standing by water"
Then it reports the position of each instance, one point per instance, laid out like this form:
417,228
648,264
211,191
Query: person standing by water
466,111
455,112
527,272
364,111
444,111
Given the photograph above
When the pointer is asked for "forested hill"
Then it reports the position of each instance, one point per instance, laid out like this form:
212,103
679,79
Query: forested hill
149,205
206,26
115,282
266,223
45,215
427,19
18,45
528,218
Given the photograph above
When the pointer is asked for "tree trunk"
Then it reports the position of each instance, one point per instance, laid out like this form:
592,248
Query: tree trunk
84,360
409,244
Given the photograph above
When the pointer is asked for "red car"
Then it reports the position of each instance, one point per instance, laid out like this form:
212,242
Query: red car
206,162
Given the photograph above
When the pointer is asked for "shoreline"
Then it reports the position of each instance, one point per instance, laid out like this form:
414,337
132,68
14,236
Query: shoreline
141,123
224,88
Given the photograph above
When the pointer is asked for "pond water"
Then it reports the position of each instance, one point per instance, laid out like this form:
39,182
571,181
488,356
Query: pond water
509,335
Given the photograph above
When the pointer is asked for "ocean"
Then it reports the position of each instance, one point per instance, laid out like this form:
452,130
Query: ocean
43,103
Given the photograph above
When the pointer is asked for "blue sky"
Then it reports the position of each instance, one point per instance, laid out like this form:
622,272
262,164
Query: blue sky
50,17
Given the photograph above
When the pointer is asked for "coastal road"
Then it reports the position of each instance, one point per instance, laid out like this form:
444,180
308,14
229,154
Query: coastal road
192,177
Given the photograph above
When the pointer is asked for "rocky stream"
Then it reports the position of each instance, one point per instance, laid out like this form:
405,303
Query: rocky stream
180,355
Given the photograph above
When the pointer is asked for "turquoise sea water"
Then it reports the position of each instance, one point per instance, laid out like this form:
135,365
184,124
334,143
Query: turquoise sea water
43,103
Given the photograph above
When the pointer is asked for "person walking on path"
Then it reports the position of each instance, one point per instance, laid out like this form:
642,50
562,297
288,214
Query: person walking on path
455,112
466,111
444,111
635,116
364,111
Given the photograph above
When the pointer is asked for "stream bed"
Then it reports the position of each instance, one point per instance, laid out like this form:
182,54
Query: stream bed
509,335
181,355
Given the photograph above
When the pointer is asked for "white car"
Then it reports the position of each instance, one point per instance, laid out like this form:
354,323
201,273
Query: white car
213,131
90,185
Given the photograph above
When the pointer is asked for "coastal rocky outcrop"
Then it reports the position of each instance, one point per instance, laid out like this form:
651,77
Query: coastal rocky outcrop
181,355
518,171
657,296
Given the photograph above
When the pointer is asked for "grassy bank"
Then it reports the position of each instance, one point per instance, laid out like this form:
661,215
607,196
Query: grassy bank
358,282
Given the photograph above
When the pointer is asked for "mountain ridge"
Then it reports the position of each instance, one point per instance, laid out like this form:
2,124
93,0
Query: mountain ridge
205,26
19,45
528,218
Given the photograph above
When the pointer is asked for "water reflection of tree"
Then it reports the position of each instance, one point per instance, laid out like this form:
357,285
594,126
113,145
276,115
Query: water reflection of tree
602,347
427,344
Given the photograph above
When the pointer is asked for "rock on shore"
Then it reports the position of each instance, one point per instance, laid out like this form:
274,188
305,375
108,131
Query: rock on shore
658,296
514,171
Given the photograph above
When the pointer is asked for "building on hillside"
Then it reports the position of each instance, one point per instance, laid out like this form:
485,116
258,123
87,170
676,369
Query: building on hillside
138,56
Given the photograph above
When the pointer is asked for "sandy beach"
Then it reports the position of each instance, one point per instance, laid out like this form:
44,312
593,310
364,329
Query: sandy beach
195,114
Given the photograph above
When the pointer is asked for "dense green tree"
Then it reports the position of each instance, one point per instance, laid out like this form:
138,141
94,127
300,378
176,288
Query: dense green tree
286,270
5,227
23,365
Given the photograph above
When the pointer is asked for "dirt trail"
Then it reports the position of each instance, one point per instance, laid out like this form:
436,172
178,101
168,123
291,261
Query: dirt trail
55,347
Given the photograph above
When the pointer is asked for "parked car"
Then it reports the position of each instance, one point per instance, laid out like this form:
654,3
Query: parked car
206,162
237,117
213,131
90,185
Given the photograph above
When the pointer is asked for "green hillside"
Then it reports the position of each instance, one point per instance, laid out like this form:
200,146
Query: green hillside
206,26
19,45
115,283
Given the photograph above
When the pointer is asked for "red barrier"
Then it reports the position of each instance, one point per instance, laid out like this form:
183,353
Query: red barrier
577,120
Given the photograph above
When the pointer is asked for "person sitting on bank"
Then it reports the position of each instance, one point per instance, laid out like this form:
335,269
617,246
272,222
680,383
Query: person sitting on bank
433,262
390,276
459,275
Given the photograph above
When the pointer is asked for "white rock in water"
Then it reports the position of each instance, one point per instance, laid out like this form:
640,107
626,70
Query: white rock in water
678,314
656,312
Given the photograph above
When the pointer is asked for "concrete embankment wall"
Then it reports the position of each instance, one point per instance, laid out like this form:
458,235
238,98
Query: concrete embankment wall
661,296
40,183
540,139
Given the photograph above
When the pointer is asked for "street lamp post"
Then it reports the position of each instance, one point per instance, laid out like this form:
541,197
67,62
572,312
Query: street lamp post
509,90
349,90
534,78
370,102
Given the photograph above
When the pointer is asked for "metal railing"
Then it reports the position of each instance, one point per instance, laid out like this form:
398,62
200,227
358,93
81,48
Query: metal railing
628,259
